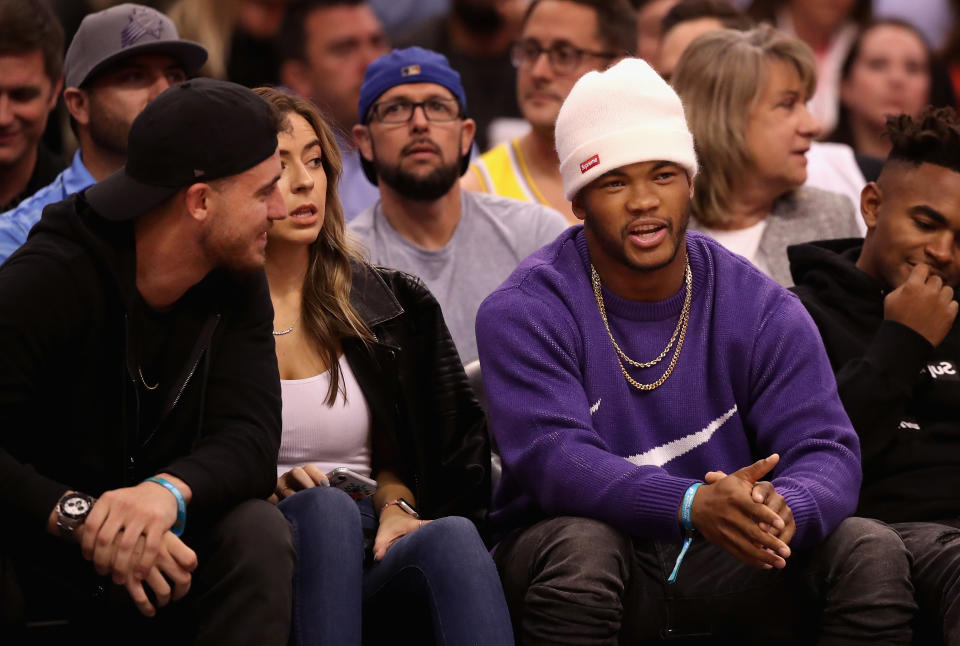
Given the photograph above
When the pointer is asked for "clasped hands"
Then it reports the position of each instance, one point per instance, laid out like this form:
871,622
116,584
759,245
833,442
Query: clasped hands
127,535
745,516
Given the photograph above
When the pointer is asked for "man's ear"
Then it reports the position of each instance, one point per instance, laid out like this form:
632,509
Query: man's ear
361,137
871,197
577,205
55,94
295,74
78,104
199,200
468,130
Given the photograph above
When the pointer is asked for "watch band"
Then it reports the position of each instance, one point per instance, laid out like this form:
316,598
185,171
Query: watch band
72,510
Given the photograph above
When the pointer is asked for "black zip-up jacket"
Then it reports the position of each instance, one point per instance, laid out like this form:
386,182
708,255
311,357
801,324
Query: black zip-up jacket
69,400
901,393
426,423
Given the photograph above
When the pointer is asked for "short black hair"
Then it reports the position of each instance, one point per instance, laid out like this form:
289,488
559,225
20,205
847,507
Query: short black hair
292,37
931,138
616,23
30,25
686,10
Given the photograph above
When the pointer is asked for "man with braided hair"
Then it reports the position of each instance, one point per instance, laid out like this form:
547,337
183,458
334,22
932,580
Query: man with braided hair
886,311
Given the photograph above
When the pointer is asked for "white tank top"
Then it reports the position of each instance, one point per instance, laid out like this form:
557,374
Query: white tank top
327,436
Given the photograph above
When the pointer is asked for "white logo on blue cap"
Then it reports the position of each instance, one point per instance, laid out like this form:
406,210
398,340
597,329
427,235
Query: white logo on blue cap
410,70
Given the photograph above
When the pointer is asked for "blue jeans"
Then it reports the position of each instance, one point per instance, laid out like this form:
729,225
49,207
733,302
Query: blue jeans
438,582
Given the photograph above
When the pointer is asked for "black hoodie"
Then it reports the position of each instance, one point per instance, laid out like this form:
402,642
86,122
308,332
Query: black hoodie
901,393
70,406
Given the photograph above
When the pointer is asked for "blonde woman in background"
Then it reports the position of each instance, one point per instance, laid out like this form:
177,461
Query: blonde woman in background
745,97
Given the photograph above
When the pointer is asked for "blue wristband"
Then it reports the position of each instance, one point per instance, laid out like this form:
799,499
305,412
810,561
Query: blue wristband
686,507
181,521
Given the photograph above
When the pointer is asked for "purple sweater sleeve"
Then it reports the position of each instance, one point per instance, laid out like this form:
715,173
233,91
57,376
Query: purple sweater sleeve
540,416
797,413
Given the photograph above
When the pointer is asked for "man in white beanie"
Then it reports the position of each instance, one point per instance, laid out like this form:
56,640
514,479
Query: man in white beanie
630,367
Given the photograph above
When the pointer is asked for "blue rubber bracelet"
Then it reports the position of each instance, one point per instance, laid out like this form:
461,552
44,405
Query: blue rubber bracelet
181,521
686,520
687,507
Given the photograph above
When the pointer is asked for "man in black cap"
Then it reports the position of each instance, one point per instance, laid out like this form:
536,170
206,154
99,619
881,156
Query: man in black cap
139,392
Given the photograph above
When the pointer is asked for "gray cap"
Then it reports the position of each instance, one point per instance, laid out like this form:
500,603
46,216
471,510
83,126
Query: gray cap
126,30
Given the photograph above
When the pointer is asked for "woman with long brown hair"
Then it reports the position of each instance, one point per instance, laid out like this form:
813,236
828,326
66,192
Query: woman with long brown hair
371,381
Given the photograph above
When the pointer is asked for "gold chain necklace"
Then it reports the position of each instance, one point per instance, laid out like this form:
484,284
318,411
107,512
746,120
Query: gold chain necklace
679,332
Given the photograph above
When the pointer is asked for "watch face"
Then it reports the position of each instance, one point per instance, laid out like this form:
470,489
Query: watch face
75,506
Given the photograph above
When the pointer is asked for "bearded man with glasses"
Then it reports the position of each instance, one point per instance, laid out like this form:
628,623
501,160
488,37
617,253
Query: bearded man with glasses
414,140
577,36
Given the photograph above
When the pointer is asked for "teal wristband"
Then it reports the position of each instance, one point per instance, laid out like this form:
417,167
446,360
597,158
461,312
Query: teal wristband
687,507
181,521
686,519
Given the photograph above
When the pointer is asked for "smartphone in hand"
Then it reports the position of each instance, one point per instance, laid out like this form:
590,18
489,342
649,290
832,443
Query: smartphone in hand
356,485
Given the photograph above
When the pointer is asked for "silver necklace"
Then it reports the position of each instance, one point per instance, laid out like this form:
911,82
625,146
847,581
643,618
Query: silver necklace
282,332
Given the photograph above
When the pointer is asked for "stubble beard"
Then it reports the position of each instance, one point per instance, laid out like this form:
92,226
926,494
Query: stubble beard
615,248
108,131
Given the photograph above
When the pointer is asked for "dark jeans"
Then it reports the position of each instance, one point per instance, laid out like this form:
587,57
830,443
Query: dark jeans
240,592
579,581
935,552
437,584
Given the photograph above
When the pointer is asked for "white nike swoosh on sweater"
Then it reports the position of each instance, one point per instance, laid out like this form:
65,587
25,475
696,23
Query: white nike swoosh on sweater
660,455
596,407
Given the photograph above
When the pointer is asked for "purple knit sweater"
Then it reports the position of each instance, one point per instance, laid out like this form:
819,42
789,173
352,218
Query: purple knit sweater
577,440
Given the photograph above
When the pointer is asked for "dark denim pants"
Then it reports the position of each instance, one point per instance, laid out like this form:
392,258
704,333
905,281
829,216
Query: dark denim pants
935,554
435,585
579,581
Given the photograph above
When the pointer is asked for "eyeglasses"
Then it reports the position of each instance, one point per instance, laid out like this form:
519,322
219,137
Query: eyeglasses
401,110
564,58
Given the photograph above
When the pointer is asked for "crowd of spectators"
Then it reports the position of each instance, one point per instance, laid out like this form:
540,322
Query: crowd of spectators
465,217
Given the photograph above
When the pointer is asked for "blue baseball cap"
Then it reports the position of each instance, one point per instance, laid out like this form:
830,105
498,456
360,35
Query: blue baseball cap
410,65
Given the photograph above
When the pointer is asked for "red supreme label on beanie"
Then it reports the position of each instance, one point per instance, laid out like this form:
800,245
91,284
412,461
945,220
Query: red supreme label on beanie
590,163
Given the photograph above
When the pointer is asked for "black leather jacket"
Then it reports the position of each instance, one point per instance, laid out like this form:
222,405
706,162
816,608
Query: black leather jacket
427,424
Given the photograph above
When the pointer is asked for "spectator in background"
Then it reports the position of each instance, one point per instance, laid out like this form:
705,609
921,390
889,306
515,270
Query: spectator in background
887,72
326,48
210,23
687,20
31,75
254,51
475,36
120,59
748,194
400,16
561,40
415,138
650,15
829,28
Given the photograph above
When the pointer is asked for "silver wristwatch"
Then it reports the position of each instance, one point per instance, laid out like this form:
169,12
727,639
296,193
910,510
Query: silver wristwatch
72,510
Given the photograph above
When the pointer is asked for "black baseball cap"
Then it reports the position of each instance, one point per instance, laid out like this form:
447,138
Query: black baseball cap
200,130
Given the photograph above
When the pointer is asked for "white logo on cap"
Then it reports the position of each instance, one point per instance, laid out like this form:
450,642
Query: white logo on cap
199,173
410,70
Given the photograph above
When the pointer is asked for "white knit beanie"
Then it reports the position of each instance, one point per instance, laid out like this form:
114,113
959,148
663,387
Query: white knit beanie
618,117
